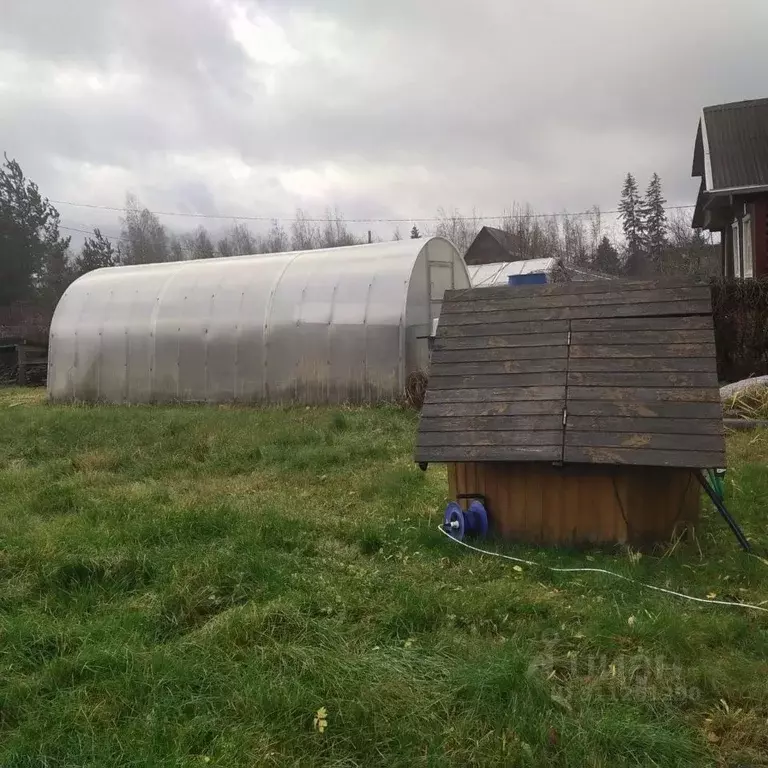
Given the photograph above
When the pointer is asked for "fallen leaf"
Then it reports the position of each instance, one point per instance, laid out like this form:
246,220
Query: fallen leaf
517,568
631,621
552,736
711,595
321,719
712,737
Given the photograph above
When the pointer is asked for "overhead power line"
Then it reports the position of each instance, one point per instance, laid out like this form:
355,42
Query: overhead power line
409,220
88,231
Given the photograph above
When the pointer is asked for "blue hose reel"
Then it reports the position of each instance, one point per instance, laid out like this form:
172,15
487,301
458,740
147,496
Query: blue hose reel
472,521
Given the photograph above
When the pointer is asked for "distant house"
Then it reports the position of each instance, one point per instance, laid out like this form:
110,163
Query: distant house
731,158
24,323
23,343
491,246
498,254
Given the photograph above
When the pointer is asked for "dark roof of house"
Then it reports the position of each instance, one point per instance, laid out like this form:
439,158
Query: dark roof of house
734,138
602,372
491,245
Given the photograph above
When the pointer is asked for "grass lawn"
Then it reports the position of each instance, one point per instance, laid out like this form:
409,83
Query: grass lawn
188,586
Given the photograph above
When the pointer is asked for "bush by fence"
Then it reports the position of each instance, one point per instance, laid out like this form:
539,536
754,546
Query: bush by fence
741,328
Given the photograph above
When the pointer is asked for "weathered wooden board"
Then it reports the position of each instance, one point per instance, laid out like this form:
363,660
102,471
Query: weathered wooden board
571,289
512,301
578,312
488,409
643,424
679,323
647,409
660,364
551,422
647,458
502,380
521,329
500,367
643,441
489,453
500,342
485,354
493,439
641,379
508,394
650,351
661,336
643,395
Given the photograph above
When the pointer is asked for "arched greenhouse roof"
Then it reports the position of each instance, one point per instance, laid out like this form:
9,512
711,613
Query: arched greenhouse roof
333,325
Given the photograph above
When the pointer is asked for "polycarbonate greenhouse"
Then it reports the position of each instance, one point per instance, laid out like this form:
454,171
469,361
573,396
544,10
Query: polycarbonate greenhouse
336,325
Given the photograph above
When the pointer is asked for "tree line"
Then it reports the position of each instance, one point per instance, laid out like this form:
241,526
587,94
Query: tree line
37,263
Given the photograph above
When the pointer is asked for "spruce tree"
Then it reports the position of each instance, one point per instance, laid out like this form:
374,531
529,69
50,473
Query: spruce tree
97,252
32,251
655,221
415,234
631,215
606,258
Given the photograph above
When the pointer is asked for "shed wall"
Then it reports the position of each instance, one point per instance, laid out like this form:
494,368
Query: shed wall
319,326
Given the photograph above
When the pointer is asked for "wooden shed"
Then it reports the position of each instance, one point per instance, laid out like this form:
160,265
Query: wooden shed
578,412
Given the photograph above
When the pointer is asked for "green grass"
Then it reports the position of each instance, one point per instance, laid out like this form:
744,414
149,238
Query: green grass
187,586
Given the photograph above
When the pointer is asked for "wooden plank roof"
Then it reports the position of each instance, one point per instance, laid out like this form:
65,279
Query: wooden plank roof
614,372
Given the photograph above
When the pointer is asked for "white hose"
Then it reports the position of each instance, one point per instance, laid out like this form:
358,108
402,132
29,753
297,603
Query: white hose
607,573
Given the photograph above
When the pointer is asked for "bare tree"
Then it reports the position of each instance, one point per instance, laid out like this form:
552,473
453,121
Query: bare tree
305,234
335,232
688,251
277,239
595,225
224,247
239,241
460,230
143,239
198,244
176,248
397,235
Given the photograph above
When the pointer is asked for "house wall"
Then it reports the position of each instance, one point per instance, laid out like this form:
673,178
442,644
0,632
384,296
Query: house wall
752,217
24,322
760,236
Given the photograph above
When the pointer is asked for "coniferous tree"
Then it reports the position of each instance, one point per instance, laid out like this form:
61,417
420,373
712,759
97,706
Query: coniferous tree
606,258
631,215
415,234
96,252
33,255
655,221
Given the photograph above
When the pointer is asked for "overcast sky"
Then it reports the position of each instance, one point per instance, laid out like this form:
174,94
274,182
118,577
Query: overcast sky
384,109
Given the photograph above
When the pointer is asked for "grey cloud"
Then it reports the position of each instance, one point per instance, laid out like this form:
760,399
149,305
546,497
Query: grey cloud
496,100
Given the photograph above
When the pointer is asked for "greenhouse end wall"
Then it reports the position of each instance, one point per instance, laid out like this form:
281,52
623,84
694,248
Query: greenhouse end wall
336,325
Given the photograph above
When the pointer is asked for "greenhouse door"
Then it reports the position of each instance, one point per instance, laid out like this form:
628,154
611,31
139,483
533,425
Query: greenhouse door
440,281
